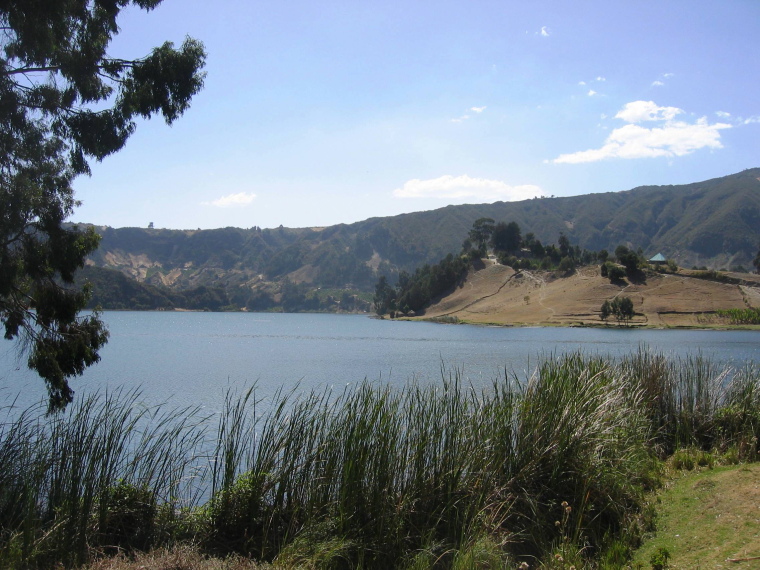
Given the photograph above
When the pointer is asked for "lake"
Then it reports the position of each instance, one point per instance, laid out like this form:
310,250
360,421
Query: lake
192,358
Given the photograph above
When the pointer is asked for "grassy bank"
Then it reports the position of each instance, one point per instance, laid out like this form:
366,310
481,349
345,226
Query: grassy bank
547,470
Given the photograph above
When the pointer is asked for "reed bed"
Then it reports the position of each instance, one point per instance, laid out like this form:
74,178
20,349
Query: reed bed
442,475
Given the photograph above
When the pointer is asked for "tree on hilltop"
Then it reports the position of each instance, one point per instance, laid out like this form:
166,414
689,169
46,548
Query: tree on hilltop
63,102
506,237
481,231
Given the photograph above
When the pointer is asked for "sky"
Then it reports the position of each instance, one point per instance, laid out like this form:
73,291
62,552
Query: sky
320,113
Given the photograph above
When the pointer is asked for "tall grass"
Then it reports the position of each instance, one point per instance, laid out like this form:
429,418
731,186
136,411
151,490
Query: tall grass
59,474
372,477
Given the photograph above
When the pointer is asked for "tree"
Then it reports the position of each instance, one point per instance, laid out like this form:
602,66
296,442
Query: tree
606,310
564,245
506,237
385,296
481,231
624,311
566,265
614,272
64,101
629,259
620,307
756,262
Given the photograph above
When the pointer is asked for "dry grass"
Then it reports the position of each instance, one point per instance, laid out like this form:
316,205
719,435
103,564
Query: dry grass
181,557
498,295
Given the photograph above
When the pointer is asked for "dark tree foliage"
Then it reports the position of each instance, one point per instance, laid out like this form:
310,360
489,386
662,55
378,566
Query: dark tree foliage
615,273
415,292
566,265
756,262
64,101
629,259
620,307
481,231
506,237
385,295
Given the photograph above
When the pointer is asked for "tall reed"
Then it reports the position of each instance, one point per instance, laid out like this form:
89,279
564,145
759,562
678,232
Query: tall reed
63,469
370,476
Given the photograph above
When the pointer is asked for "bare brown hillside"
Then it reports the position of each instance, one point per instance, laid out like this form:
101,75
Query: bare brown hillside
497,294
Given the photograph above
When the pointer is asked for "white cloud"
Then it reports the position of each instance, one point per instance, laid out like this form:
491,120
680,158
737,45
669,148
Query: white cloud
581,83
230,200
638,111
668,75
591,92
674,138
755,119
723,114
477,109
657,83
600,78
545,31
464,187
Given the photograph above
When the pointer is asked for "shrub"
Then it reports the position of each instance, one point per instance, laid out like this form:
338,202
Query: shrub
127,515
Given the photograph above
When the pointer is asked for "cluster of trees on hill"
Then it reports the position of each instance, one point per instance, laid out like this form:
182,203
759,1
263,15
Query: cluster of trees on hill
414,292
511,248
620,307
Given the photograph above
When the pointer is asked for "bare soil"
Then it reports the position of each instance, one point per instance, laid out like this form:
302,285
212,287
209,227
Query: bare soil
498,294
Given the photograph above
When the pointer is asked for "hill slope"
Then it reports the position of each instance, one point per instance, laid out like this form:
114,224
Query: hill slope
713,223
499,295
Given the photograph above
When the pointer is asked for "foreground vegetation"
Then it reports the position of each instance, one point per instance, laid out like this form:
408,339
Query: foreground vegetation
547,470
706,518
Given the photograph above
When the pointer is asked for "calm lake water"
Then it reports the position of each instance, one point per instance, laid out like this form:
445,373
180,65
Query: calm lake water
192,358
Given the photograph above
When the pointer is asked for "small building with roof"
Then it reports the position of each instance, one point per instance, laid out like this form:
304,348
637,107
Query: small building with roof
658,259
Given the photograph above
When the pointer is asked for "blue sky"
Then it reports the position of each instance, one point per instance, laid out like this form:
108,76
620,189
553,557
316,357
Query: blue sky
318,113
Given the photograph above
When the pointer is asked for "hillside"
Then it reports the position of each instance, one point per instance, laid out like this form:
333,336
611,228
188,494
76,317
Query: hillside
497,294
712,223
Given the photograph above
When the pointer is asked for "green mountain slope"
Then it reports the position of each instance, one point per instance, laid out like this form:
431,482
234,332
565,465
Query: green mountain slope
714,223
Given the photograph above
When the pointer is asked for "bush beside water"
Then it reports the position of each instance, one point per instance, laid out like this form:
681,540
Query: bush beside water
556,465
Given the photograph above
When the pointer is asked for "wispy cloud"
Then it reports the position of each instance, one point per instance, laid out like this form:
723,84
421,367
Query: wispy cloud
592,92
464,117
230,200
464,187
659,81
672,138
545,32
639,111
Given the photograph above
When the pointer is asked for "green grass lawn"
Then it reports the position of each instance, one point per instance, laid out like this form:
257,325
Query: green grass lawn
708,519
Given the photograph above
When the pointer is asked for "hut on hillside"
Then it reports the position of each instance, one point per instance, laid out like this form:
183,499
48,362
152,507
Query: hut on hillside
658,259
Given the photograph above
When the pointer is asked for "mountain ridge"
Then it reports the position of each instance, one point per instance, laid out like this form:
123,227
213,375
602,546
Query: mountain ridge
712,223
